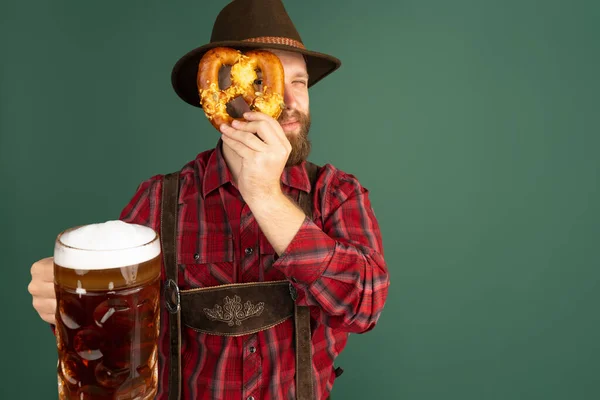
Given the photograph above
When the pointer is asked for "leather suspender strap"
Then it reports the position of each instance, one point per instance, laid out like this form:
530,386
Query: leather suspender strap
169,204
304,380
168,226
304,199
304,386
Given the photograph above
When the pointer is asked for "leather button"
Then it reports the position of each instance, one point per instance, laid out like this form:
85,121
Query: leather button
249,250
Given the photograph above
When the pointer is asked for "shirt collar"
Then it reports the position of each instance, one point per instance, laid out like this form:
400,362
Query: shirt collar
217,174
296,177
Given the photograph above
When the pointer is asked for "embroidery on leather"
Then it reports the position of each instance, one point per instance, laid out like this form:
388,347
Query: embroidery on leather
233,312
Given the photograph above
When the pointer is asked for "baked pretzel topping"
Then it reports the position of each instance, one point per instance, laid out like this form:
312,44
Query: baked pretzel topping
244,68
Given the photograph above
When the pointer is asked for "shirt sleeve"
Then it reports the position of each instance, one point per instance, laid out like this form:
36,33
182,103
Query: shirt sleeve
340,268
144,206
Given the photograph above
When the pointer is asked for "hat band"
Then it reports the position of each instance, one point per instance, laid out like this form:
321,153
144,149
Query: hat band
276,40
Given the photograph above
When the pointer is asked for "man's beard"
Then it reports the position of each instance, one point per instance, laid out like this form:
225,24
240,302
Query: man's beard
301,145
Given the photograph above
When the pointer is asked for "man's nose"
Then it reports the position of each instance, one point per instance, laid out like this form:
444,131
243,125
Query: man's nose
288,97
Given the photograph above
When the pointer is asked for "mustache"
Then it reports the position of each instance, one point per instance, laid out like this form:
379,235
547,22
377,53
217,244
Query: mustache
290,115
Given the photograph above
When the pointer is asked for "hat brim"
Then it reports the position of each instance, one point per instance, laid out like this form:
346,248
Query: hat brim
185,71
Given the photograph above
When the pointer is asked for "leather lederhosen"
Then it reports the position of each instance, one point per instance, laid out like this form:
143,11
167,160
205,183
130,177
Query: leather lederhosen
232,309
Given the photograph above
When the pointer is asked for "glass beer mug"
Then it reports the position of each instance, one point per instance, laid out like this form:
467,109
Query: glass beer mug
107,283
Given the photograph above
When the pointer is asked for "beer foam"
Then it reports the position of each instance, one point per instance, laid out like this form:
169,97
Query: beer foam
110,244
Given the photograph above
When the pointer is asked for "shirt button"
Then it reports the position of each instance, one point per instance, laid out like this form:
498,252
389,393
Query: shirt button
252,349
249,250
196,256
251,398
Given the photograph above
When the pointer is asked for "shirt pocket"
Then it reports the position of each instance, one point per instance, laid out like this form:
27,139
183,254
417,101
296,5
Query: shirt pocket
205,261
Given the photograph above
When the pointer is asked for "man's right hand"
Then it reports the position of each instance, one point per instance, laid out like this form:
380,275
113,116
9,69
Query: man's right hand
41,288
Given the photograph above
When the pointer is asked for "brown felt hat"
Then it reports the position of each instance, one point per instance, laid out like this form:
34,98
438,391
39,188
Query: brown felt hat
245,24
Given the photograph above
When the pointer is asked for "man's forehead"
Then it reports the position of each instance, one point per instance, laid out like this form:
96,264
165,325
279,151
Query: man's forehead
286,55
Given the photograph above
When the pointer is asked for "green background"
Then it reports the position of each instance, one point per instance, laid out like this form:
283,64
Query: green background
473,123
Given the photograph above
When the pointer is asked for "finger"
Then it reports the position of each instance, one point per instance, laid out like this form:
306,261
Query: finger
246,137
264,131
49,318
41,289
240,148
43,270
45,306
258,116
275,132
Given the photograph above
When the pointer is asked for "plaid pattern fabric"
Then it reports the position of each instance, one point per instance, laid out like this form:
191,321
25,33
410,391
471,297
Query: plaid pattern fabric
335,263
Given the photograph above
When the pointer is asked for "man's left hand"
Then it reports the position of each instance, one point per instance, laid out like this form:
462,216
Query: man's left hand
263,160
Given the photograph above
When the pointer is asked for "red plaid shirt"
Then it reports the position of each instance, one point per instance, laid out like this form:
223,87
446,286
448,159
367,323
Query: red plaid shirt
336,264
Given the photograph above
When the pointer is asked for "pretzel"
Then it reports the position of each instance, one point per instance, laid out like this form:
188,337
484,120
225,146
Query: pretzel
244,67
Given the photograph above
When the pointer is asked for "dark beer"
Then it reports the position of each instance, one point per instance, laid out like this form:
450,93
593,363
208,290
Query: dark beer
107,317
